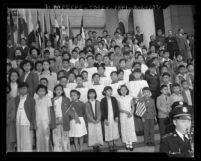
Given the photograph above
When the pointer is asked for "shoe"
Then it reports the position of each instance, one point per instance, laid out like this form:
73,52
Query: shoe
127,148
98,149
131,149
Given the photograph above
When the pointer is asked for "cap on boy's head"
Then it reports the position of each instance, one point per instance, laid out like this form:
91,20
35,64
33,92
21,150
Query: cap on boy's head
23,84
162,86
175,85
146,88
181,112
166,74
105,89
137,70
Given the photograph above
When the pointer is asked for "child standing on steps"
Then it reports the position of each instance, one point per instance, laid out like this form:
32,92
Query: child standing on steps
42,107
77,124
60,122
110,116
126,108
93,112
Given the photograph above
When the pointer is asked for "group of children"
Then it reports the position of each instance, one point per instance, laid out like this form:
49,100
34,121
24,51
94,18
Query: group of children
55,100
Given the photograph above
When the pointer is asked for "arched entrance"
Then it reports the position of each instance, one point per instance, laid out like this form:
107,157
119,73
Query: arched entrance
130,22
122,28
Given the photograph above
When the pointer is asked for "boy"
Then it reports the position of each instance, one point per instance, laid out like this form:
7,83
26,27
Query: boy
87,83
187,93
177,62
108,67
182,74
81,88
101,48
163,106
127,72
148,117
176,94
99,60
75,57
120,74
166,81
152,79
44,81
114,84
66,66
53,65
97,86
166,56
63,81
25,118
71,81
90,68
103,79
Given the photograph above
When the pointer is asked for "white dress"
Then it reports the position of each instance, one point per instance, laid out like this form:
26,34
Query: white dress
127,124
42,121
111,131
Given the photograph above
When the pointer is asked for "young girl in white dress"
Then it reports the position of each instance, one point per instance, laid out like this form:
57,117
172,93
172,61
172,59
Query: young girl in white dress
42,107
93,113
126,108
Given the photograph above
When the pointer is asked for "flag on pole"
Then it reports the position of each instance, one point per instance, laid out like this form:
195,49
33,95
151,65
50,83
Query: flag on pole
23,27
38,32
57,33
11,27
46,35
31,33
82,29
69,30
51,34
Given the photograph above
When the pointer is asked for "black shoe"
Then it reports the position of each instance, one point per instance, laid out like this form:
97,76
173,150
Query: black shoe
98,149
127,148
131,149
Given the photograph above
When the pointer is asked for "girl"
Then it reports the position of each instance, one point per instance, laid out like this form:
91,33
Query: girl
43,104
93,112
110,116
25,118
126,108
77,126
29,76
10,125
47,73
61,119
14,81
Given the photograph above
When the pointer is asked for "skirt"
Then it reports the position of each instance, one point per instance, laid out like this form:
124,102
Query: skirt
76,129
95,136
24,138
111,131
127,129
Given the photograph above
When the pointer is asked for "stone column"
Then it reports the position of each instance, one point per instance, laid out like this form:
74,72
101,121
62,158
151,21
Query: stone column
145,19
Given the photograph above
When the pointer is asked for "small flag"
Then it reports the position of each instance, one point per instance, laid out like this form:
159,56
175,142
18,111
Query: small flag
31,33
46,35
69,30
140,108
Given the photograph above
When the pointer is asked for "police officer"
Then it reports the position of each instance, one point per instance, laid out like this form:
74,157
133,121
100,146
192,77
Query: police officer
177,143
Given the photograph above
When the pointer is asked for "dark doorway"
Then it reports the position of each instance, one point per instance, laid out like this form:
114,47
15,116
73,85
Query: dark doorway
159,20
122,28
130,22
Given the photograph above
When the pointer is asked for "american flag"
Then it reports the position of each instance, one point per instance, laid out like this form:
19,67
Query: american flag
140,108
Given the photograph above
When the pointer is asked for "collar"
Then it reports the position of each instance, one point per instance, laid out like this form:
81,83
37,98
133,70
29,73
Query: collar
180,134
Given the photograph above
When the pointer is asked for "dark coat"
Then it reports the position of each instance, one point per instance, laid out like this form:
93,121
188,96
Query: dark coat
11,126
104,108
24,51
174,146
32,80
66,118
29,107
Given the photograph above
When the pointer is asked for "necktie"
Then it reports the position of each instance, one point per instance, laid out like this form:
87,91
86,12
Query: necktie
185,139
